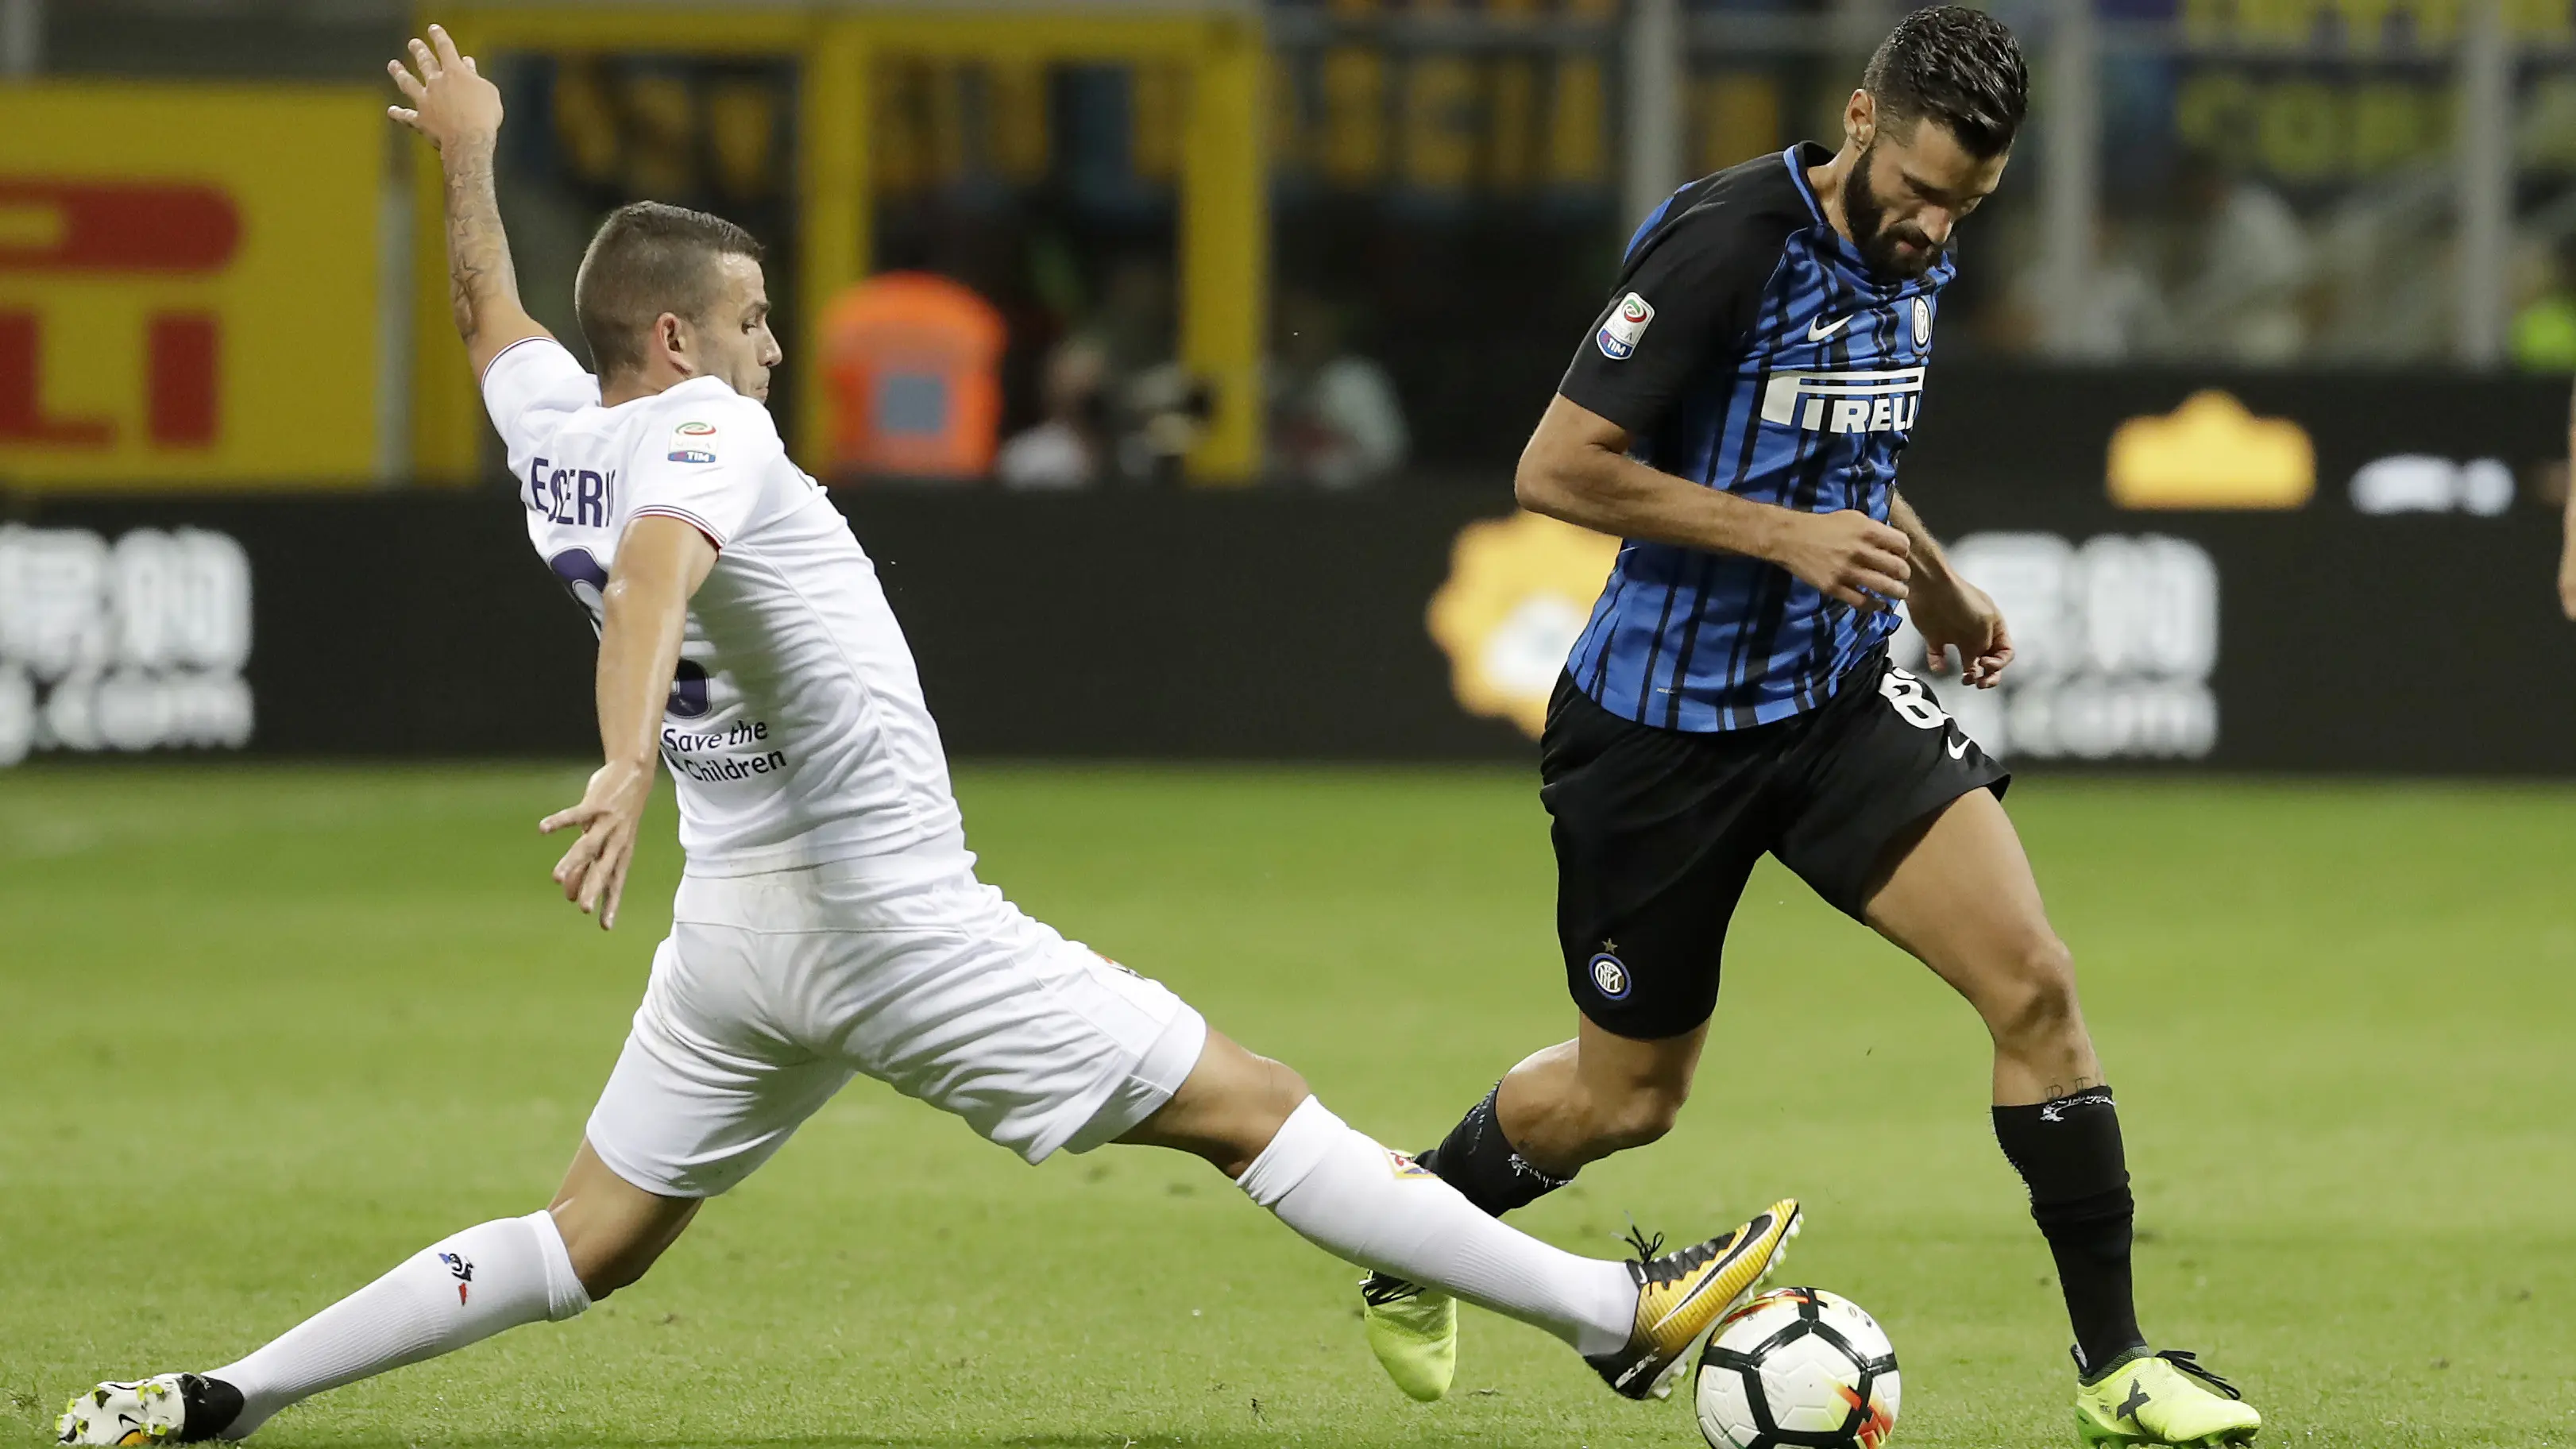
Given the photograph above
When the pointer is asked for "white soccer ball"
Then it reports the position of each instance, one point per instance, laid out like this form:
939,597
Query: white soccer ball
1797,1368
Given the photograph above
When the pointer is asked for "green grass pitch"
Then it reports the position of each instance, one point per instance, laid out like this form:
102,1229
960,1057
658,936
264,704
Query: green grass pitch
265,1031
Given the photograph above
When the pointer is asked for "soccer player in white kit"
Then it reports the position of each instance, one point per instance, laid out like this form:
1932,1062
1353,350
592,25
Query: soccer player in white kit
829,921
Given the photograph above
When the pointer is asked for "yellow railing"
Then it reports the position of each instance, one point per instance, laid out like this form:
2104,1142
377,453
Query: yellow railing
1224,224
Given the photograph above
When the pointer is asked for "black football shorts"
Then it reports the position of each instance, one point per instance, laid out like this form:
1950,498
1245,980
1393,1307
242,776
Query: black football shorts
1656,830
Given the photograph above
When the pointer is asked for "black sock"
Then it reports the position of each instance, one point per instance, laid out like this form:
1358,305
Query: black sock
1475,1159
2068,1151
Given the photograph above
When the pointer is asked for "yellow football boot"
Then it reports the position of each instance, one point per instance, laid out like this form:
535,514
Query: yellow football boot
2163,1399
1413,1330
1680,1295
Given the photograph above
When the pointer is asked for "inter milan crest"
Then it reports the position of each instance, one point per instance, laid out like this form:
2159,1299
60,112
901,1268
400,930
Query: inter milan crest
1610,975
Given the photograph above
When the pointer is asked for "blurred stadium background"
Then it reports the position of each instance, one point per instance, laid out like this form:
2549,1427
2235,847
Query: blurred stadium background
1171,359
1177,353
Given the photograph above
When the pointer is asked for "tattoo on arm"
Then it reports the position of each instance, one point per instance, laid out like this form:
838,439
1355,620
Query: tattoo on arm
479,272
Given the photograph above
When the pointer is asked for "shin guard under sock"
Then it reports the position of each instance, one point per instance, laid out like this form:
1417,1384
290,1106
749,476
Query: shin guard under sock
1476,1159
2068,1152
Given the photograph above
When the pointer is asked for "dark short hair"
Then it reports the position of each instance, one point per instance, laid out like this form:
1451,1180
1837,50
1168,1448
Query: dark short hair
645,260
1954,65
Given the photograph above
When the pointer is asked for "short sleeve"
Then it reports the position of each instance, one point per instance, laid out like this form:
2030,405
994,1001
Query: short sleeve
534,382
1686,300
705,462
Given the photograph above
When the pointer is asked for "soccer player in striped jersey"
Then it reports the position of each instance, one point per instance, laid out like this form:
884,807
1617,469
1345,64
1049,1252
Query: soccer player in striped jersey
1735,416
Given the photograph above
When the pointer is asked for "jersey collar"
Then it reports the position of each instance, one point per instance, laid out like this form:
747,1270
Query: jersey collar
1803,154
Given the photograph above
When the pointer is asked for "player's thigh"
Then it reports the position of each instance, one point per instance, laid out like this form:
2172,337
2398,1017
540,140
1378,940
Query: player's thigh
1956,892
952,995
1881,761
1228,1108
713,1078
1655,833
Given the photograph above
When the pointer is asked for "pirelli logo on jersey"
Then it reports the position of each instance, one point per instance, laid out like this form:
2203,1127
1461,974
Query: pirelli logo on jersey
1844,402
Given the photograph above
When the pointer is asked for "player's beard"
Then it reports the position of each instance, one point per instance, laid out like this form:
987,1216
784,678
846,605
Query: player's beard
1871,232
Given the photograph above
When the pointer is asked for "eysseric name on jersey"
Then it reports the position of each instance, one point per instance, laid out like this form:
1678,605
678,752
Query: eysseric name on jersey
795,729
1748,347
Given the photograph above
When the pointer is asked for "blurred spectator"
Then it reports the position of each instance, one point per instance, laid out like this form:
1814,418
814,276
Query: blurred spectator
1163,413
2115,317
1157,409
1133,325
2544,330
2245,270
1335,421
1071,448
911,361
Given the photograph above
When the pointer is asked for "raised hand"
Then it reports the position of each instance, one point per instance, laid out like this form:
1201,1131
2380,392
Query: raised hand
459,112
450,101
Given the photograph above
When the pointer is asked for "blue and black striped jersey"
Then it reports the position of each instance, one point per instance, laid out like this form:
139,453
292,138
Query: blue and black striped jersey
1746,346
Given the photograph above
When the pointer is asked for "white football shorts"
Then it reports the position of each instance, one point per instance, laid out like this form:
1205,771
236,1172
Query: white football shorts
774,989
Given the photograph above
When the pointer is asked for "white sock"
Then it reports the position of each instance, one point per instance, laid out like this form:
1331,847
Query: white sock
1354,1199
455,1292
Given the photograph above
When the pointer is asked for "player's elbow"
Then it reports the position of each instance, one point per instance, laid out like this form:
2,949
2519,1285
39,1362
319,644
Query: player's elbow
618,600
1530,489
1543,483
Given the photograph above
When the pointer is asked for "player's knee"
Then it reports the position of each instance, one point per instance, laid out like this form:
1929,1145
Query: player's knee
1257,1105
610,1250
1228,1111
2036,1004
1638,1116
1281,1090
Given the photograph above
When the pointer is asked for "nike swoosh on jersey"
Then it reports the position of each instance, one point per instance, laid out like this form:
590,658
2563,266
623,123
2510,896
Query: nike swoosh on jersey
1818,331
1958,748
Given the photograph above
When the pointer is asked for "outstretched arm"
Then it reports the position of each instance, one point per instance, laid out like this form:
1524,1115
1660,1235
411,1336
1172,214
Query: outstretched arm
460,112
1948,610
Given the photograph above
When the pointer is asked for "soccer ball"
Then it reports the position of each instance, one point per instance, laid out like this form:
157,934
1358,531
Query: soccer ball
1797,1368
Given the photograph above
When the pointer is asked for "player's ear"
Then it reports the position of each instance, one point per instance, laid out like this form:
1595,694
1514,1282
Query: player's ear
1860,119
671,342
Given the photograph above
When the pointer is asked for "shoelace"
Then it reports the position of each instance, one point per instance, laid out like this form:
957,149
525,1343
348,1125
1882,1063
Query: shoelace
2183,1359
1637,1239
1654,1266
1380,1289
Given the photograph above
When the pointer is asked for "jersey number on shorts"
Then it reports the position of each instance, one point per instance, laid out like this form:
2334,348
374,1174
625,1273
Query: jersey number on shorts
1913,702
587,582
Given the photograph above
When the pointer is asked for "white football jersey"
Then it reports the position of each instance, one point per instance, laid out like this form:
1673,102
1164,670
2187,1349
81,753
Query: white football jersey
796,729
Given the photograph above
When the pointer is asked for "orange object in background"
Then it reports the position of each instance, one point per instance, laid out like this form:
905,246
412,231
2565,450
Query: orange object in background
912,362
